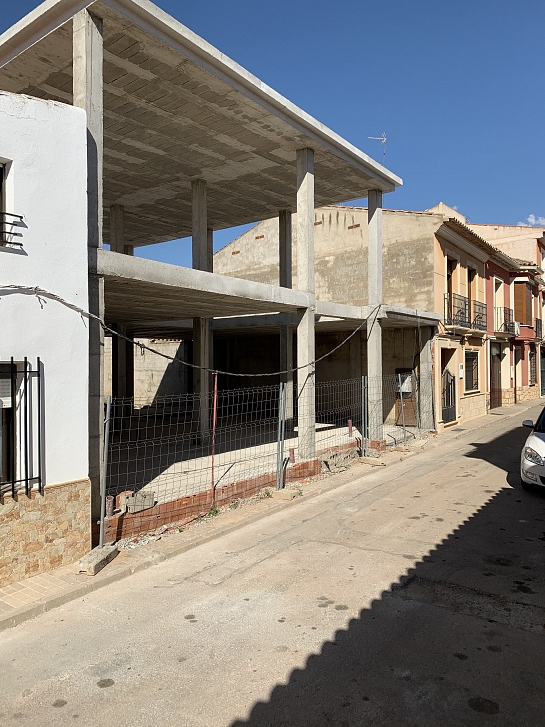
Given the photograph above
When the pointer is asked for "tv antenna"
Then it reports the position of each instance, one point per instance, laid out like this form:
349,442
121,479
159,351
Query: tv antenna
382,138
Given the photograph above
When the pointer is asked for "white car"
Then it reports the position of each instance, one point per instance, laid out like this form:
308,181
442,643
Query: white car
532,458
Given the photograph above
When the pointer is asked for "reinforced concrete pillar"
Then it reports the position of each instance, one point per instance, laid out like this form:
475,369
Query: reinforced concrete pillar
122,364
374,330
427,387
202,249
286,332
87,61
306,416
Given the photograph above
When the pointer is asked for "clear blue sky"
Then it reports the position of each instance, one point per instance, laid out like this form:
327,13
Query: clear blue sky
456,86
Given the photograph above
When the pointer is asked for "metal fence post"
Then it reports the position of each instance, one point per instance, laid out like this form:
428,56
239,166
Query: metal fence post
402,409
214,422
364,415
104,472
280,436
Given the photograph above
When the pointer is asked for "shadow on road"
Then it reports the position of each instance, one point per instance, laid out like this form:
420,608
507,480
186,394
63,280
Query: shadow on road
459,641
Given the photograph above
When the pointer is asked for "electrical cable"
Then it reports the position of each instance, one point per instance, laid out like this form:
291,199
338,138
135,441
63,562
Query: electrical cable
41,293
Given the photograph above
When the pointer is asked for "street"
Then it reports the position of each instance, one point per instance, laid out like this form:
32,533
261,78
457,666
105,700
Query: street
413,596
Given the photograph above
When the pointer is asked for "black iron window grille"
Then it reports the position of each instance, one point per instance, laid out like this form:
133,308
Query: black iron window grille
11,234
533,367
539,328
21,410
472,370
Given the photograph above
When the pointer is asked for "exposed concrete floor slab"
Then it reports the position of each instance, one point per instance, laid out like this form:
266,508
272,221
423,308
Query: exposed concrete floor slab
409,597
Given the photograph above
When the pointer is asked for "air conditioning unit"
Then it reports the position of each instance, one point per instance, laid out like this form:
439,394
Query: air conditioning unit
5,394
514,328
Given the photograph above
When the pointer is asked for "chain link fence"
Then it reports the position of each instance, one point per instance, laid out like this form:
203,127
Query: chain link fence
181,455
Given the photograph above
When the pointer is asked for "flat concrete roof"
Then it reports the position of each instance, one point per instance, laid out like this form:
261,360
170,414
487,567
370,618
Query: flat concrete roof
177,109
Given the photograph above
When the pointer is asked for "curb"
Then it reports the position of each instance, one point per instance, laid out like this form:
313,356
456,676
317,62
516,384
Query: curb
155,556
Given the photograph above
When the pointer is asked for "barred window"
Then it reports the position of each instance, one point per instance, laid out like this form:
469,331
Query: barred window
533,370
472,370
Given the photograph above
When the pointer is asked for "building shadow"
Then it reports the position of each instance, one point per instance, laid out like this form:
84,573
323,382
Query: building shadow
457,641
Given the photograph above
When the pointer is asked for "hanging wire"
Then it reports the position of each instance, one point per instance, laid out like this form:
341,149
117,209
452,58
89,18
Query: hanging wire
41,293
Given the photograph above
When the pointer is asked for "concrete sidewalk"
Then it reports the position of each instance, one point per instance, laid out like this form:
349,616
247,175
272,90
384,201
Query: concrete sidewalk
26,599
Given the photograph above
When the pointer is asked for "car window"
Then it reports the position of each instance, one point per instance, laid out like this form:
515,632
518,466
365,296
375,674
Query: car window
540,424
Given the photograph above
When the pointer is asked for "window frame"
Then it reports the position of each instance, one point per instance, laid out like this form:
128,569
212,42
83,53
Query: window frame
471,369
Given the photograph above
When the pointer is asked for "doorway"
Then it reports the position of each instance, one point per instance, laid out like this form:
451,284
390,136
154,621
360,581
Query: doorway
448,387
495,375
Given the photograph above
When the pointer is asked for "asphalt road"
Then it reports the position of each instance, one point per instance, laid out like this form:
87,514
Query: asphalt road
413,596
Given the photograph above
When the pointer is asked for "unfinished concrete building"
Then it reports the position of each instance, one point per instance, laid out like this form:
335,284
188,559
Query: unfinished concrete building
182,141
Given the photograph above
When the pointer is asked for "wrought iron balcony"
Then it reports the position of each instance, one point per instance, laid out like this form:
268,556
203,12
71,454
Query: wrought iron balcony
503,320
457,310
11,227
479,315
539,328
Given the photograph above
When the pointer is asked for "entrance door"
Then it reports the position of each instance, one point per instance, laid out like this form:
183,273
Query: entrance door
495,375
542,372
518,372
448,397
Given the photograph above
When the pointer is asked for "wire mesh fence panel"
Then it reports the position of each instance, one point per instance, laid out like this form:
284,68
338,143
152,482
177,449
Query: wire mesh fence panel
171,447
400,407
191,451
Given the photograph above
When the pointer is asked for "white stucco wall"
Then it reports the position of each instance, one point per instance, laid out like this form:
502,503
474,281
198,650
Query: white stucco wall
47,184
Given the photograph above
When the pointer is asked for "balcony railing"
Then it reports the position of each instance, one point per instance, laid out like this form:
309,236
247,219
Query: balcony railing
539,328
465,313
479,315
11,227
457,310
503,320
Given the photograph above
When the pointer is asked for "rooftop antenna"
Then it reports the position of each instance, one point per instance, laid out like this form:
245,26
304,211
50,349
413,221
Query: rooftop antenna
382,138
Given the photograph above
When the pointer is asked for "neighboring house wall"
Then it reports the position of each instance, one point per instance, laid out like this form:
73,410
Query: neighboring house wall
340,241
153,375
45,145
517,241
451,343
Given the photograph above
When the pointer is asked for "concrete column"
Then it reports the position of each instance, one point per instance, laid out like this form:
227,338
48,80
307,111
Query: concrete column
117,228
285,280
355,356
427,387
201,379
286,362
305,330
122,364
87,61
202,250
285,249
374,330
200,229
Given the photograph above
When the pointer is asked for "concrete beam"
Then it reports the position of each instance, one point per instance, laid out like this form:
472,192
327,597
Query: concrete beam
87,61
218,287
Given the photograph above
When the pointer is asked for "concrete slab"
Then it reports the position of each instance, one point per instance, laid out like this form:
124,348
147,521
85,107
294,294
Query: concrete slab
177,110
96,560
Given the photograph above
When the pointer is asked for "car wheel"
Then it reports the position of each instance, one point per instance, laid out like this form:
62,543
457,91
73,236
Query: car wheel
526,485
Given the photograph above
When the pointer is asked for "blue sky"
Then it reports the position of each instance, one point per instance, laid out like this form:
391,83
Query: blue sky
456,86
